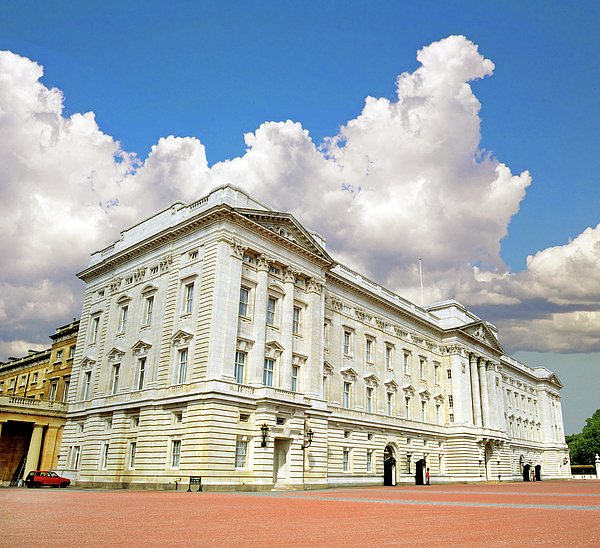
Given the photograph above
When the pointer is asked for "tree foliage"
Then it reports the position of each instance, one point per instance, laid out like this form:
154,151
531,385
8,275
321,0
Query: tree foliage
583,447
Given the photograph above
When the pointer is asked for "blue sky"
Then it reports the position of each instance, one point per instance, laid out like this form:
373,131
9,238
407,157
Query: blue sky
216,71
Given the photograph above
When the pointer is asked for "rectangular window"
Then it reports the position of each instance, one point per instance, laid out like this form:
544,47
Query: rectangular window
115,378
141,373
105,448
76,455
189,298
437,414
240,362
132,450
450,402
368,356
87,385
424,411
388,357
241,450
149,307
65,391
268,372
95,328
123,319
53,389
295,370
175,453
390,401
271,311
449,373
296,321
244,299
346,343
59,356
421,368
369,400
346,460
436,373
71,352
369,461
406,364
183,358
407,407
346,395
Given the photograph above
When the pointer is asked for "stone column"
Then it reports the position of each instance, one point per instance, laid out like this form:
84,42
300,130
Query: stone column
485,400
35,445
475,391
287,317
260,320
314,337
226,318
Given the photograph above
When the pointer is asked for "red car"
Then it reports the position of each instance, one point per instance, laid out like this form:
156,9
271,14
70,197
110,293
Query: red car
45,477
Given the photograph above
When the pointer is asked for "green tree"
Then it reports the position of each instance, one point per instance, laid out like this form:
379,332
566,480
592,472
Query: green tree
583,447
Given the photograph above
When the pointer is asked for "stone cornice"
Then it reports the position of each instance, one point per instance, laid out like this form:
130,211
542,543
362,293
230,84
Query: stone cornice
334,279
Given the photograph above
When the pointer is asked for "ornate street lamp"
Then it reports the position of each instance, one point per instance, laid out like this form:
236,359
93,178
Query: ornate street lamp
308,438
264,430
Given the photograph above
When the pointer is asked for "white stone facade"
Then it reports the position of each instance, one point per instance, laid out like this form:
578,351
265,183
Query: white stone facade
207,321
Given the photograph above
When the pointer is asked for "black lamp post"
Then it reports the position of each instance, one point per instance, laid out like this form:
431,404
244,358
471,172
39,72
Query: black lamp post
264,430
408,457
308,439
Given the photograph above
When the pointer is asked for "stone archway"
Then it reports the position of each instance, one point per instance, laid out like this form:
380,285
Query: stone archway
420,466
389,466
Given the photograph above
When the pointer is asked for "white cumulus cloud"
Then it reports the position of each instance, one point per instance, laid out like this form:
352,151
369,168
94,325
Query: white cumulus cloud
404,179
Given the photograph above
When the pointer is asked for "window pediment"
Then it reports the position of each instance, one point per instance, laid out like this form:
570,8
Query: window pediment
349,374
87,363
371,380
391,385
244,345
181,337
115,354
141,347
409,389
273,350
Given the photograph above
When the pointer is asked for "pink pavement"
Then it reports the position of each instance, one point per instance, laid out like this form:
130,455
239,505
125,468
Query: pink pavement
510,514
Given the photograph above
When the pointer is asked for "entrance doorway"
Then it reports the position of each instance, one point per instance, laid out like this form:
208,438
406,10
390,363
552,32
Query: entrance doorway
420,467
526,470
389,466
280,461
538,472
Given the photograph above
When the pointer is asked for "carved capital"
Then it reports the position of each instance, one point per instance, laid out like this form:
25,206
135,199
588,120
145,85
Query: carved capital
237,249
290,274
263,261
315,284
115,284
336,303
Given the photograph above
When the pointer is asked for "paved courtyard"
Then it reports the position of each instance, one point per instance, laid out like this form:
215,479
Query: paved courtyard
511,514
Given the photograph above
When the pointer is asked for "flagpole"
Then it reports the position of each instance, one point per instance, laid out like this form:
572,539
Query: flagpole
421,275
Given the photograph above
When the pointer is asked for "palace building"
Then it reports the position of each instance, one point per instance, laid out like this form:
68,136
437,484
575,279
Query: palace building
219,341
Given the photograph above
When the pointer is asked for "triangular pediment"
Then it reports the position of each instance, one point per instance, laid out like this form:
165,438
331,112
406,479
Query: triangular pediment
349,373
286,226
409,389
481,332
141,347
273,350
391,385
87,362
424,394
115,354
371,380
181,337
